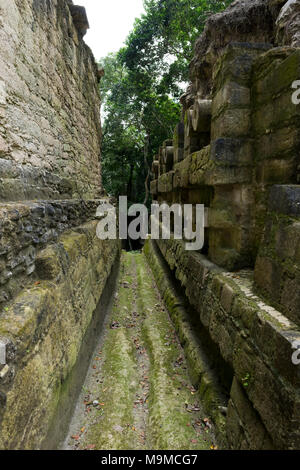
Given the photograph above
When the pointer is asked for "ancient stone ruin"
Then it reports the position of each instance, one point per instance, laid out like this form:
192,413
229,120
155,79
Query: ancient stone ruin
237,150
235,304
53,269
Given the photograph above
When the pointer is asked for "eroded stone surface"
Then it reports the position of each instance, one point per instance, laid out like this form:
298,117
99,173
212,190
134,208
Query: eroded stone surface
49,103
46,324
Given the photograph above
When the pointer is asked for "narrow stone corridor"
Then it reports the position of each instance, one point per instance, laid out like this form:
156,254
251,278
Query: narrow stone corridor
137,393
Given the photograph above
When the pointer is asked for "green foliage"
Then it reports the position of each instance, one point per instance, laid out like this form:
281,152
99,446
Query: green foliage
136,122
162,42
141,89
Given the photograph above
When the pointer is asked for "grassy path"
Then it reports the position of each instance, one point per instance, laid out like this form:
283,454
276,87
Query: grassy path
137,393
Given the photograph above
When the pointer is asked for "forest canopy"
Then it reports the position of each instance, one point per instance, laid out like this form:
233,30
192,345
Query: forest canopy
141,88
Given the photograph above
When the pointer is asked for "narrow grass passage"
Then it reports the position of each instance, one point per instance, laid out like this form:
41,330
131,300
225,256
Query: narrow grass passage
137,393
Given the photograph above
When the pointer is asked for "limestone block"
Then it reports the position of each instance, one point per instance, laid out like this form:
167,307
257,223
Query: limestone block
168,157
247,419
201,115
236,62
278,113
290,298
165,182
274,73
155,168
231,123
285,199
181,173
231,95
282,143
276,171
199,165
232,151
193,140
226,175
178,142
277,405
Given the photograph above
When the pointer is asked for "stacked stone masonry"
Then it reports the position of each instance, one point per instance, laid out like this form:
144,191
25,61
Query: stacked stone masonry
53,268
49,103
237,150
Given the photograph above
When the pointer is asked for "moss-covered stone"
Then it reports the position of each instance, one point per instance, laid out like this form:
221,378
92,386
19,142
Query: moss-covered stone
47,323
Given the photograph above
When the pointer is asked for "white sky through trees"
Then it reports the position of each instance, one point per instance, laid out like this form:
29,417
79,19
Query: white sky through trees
110,22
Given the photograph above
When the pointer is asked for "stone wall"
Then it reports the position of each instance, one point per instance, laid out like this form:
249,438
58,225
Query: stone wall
53,268
236,150
49,103
44,327
28,227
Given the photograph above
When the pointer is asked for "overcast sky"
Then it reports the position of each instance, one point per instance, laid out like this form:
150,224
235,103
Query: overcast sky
110,22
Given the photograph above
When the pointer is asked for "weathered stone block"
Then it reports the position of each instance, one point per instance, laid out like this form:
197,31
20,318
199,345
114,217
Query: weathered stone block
181,173
267,275
47,323
165,182
290,298
285,199
199,164
201,115
276,171
254,431
274,73
231,95
232,152
236,63
227,297
279,144
231,123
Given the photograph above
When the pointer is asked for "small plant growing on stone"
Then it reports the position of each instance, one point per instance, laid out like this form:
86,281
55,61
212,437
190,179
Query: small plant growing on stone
246,380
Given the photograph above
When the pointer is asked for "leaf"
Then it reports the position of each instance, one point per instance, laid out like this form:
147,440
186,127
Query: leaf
90,447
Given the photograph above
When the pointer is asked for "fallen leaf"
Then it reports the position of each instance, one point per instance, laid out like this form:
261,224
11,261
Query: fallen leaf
90,447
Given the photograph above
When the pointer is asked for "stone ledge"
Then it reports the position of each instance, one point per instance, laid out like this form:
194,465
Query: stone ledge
24,182
209,390
45,325
27,227
253,337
